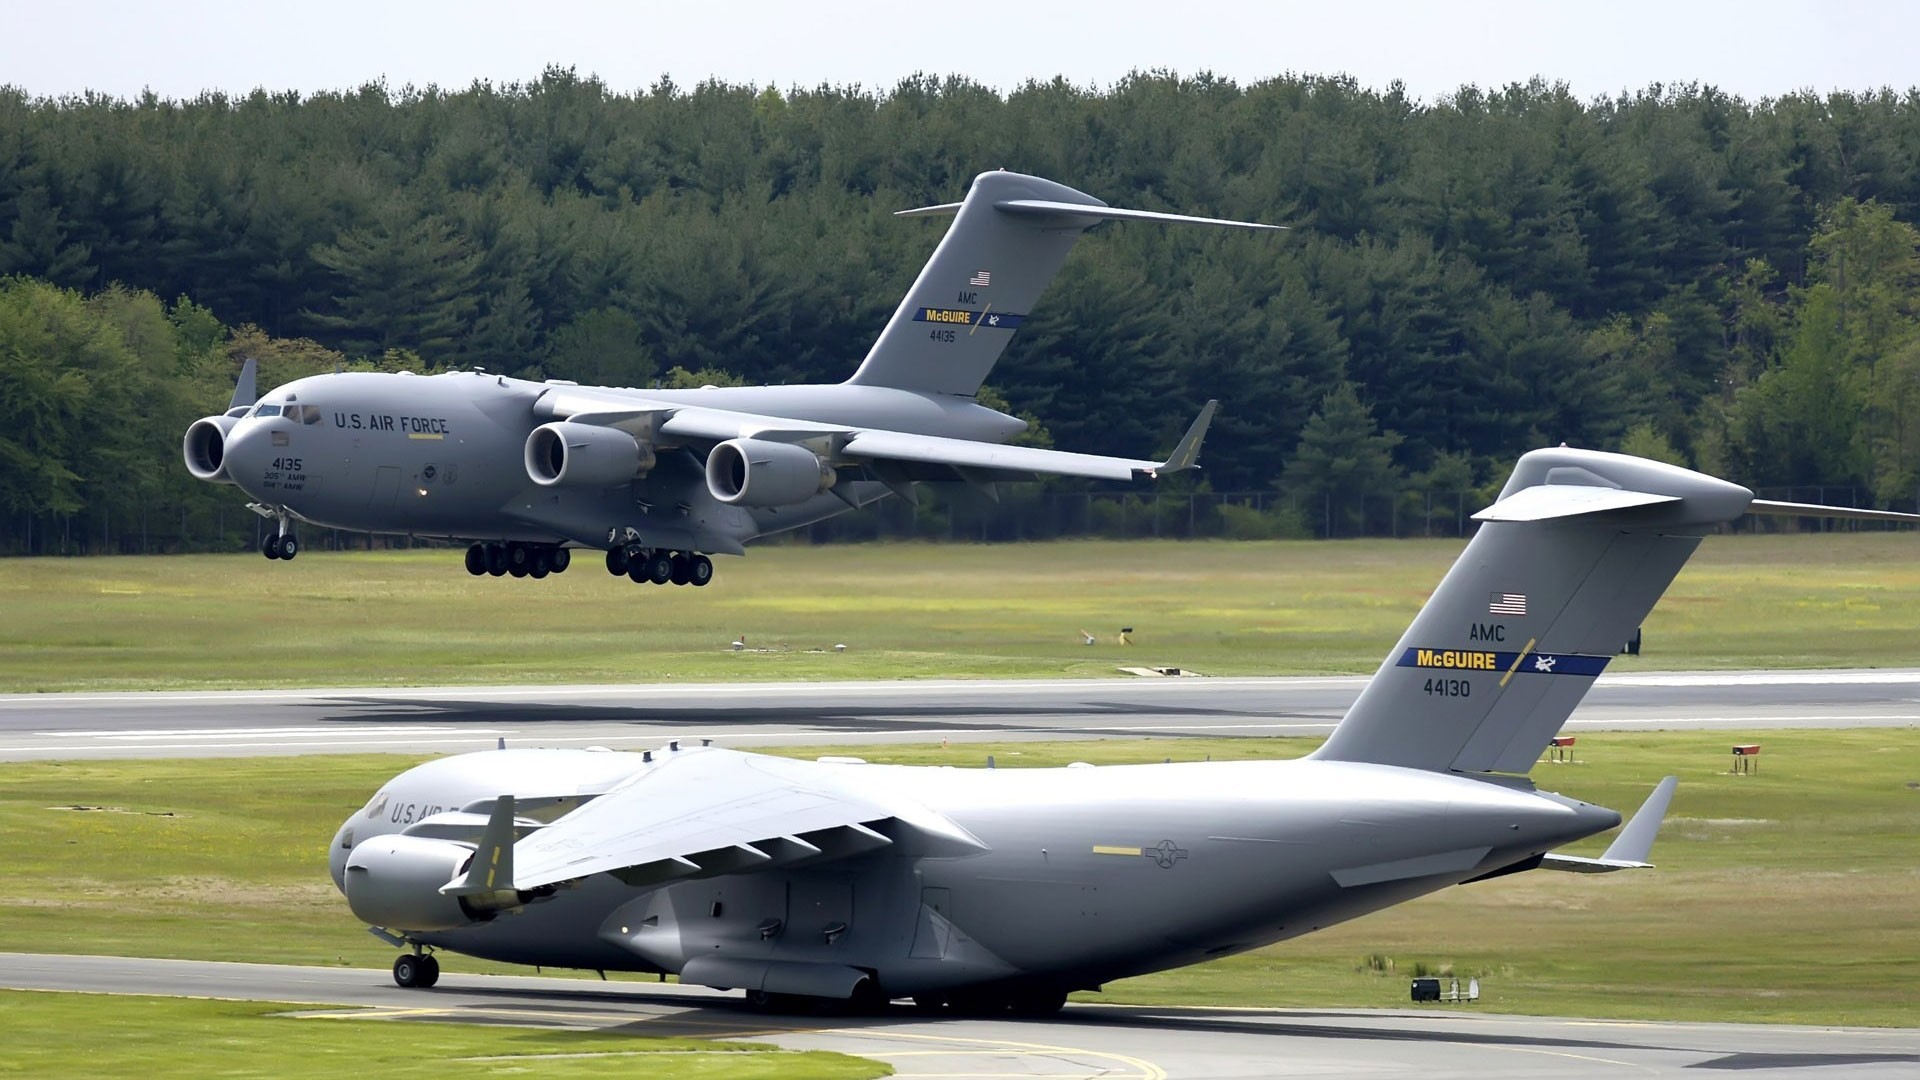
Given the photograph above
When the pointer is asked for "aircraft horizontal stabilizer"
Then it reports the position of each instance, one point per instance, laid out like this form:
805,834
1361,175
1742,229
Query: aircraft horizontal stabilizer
1792,509
1075,213
1549,501
1629,850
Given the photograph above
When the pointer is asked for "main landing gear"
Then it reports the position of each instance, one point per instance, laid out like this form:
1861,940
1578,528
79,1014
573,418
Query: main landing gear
518,559
659,566
416,971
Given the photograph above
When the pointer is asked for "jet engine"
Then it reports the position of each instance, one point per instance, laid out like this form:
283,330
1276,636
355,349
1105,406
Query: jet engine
585,455
761,472
394,881
205,448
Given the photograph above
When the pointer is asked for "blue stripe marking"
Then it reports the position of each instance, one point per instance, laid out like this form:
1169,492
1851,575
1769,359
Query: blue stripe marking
1536,663
992,320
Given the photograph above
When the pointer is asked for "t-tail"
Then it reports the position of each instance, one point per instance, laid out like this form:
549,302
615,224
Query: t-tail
1566,565
1009,237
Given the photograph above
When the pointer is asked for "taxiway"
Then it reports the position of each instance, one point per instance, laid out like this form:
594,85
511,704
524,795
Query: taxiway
1105,1041
453,719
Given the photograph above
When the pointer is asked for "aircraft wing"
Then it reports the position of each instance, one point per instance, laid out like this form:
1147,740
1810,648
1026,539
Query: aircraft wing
706,811
674,422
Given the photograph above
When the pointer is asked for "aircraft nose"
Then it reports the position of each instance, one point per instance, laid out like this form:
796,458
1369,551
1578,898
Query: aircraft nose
337,855
249,448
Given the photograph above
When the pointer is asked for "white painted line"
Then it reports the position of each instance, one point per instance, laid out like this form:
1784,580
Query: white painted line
247,732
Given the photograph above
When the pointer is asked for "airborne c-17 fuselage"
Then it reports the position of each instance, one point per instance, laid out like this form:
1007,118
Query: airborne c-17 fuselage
660,479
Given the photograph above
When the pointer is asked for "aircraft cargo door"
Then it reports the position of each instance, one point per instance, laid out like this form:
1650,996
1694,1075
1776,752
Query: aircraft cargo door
933,932
386,484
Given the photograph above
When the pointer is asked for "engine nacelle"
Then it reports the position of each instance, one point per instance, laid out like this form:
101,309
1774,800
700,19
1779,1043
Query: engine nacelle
205,448
761,472
585,455
394,881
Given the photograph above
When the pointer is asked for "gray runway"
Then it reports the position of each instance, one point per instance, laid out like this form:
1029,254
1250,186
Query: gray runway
1085,1041
450,719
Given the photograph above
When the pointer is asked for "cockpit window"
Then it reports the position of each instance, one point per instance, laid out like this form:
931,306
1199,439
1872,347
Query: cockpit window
313,414
376,805
294,412
266,410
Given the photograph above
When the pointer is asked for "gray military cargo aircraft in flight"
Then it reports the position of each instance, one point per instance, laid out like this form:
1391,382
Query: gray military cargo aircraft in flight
660,479
994,890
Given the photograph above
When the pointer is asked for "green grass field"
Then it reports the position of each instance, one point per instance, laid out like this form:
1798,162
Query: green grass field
1784,896
903,611
87,1036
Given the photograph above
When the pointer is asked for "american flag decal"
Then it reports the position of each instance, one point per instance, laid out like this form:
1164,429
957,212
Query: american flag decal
1507,603
981,278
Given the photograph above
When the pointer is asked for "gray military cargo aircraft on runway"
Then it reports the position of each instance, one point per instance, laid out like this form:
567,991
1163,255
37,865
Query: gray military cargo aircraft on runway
659,479
989,890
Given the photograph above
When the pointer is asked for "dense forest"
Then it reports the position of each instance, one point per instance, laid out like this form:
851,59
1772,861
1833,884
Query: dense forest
1677,272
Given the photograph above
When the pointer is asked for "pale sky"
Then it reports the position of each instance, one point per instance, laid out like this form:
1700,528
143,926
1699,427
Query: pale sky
1753,48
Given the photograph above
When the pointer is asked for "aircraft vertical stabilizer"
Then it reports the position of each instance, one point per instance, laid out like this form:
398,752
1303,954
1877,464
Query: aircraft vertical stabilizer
1566,565
1008,239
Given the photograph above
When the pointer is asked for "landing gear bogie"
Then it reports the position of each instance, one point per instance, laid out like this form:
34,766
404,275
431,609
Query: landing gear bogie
416,971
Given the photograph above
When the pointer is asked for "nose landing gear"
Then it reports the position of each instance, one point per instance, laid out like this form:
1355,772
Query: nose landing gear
281,543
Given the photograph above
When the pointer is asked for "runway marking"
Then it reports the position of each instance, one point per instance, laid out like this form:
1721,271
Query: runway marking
1146,1070
163,698
258,733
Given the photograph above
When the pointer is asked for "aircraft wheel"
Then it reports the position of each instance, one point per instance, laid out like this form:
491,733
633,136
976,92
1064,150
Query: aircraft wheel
408,970
270,547
477,560
496,560
429,971
682,571
539,563
660,567
519,559
561,559
976,1003
700,570
867,999
616,561
762,1001
1037,1004
289,546
637,571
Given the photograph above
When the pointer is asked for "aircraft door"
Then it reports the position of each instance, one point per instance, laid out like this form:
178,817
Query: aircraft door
933,931
386,485
819,911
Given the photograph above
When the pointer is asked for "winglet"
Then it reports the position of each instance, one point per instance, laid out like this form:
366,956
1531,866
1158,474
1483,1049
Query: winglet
1635,842
243,392
1186,454
491,870
1630,849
